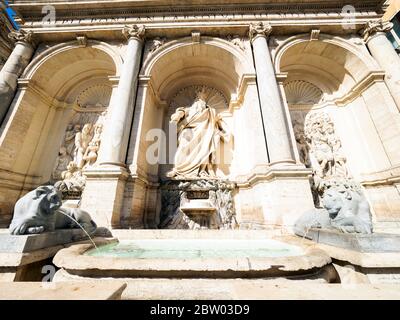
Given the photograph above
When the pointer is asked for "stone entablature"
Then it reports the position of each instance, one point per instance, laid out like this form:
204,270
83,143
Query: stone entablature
329,16
175,6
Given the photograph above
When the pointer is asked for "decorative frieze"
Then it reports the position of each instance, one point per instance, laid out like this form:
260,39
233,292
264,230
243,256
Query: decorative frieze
193,12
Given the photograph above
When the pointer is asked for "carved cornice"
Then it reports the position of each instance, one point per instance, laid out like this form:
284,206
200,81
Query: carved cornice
370,79
386,177
267,173
374,27
259,29
32,87
16,181
134,32
126,8
245,81
22,36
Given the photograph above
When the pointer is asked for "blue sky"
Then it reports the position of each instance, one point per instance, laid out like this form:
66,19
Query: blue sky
11,14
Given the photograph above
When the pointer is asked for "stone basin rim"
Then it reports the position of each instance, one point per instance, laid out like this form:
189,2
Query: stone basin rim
73,259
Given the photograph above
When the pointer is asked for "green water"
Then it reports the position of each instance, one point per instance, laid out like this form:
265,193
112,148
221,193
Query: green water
196,249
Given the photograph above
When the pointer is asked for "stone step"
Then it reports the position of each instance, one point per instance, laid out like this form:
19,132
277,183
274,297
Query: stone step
61,291
248,289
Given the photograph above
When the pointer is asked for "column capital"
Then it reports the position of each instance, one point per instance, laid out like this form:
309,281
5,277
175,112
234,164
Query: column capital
134,31
374,27
259,29
22,36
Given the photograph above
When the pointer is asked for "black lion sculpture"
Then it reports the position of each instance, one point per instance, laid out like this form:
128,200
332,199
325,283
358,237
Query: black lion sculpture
41,211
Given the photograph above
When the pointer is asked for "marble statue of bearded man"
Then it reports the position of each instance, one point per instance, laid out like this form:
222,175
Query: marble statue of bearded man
200,131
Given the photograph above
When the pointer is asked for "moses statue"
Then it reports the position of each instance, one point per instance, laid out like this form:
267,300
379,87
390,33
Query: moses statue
200,131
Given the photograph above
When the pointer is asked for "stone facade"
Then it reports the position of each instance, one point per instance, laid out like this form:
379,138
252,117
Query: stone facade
6,44
270,66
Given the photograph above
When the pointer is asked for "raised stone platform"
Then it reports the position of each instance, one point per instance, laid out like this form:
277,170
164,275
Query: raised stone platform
373,243
22,257
28,243
244,289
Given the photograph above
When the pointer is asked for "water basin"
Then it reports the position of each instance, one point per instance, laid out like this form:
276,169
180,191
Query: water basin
196,249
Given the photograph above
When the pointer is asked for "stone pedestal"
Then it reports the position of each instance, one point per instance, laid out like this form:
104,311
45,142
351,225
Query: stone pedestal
197,204
376,242
22,258
103,195
273,199
369,258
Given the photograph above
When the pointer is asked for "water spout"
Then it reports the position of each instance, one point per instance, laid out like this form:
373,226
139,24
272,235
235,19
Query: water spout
80,226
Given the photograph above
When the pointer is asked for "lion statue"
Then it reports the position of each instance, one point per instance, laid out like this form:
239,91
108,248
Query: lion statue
41,211
344,209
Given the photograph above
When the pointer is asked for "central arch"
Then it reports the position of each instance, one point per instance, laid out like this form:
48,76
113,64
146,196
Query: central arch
170,71
213,61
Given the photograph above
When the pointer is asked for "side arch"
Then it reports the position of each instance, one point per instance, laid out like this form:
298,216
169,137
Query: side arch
53,51
367,60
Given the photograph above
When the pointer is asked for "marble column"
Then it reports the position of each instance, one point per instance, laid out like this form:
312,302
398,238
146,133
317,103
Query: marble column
272,107
384,53
116,135
12,70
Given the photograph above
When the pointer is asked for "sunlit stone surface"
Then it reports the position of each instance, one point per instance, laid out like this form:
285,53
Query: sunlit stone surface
197,133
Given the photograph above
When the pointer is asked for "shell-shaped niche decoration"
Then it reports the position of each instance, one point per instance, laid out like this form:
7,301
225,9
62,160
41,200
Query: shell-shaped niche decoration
95,97
186,96
303,92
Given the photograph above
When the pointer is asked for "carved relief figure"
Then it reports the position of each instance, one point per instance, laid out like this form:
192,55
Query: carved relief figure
62,162
237,41
72,179
321,149
157,43
91,152
325,146
302,144
70,137
79,151
200,131
82,140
